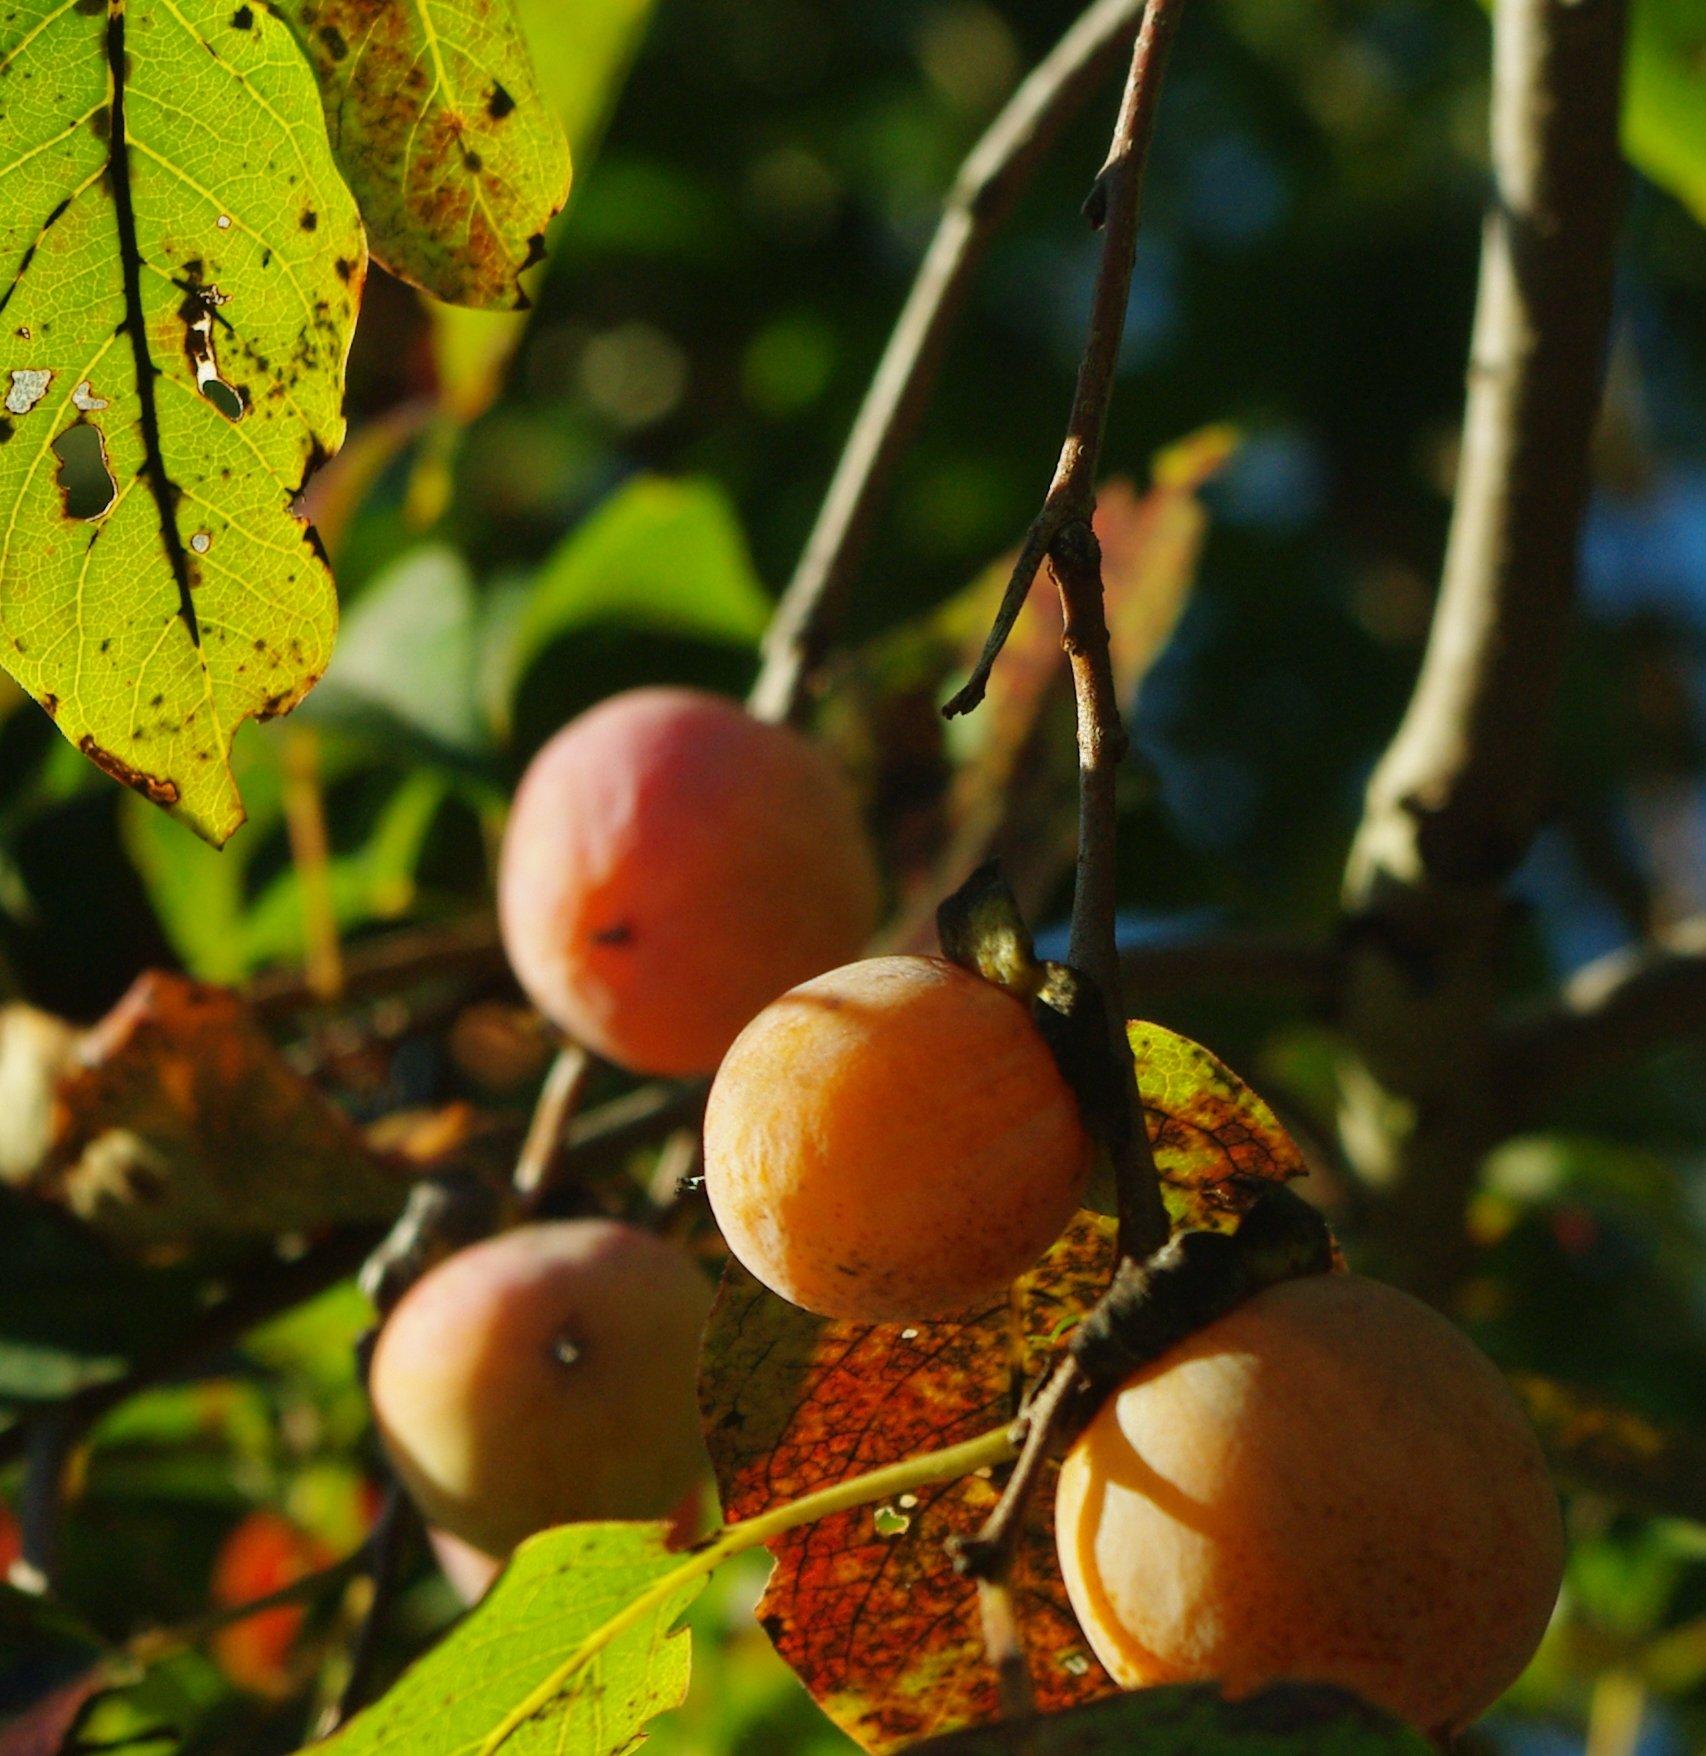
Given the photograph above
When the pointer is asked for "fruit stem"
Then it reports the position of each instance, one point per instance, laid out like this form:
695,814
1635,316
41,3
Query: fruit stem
541,1152
986,1451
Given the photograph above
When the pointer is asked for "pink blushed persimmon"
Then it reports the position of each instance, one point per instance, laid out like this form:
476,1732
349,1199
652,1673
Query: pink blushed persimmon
545,1376
671,865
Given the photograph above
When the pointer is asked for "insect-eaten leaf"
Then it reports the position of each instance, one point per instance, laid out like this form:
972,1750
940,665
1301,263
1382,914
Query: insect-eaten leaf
181,265
1290,1719
180,1122
866,1605
435,115
567,1655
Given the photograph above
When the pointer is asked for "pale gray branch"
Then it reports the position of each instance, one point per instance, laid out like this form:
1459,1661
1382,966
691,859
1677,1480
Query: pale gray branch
1616,1008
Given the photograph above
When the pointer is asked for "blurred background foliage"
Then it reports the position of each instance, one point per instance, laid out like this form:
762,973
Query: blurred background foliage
534,512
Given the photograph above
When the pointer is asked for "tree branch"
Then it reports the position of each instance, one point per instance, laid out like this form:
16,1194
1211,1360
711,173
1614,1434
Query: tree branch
1455,801
984,194
385,1556
1271,966
541,1158
1616,1008
1457,797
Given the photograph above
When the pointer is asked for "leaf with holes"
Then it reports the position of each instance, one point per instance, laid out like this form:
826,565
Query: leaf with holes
435,114
179,1120
570,1654
182,265
866,1605
1215,1141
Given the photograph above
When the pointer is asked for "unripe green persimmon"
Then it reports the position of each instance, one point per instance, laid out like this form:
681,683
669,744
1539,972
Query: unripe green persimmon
892,1141
670,866
543,1376
1329,1484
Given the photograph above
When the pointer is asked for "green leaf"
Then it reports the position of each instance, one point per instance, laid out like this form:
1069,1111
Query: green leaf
435,115
581,71
185,264
374,882
407,657
659,554
1191,1720
225,924
1664,112
469,1696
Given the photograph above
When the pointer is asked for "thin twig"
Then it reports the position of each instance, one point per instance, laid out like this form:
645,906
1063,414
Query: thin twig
1093,947
1063,533
467,949
984,194
152,1646
541,1156
648,1113
1115,201
310,856
1004,1646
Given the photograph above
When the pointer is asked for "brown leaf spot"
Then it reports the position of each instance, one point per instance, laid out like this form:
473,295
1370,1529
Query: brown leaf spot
157,788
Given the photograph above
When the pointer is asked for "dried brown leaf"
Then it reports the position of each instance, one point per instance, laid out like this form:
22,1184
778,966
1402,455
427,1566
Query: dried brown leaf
179,1120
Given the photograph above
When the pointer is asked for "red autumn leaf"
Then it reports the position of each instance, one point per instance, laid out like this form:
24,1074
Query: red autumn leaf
178,1119
866,1606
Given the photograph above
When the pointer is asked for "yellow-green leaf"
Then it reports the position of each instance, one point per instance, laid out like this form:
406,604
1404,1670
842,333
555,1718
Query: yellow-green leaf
583,1587
436,118
1664,110
182,265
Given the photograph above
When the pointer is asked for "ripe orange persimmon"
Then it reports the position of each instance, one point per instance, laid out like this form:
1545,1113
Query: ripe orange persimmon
1329,1484
263,1553
672,864
892,1141
542,1376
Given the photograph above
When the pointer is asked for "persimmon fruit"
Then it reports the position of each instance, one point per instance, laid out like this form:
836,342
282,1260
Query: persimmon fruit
263,1553
672,864
892,1141
1329,1484
543,1376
